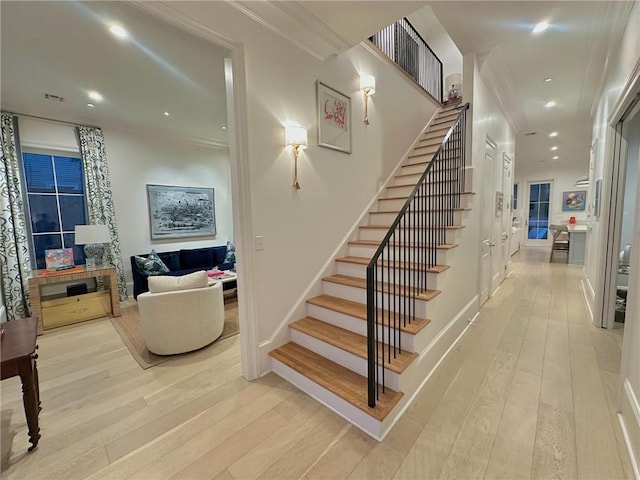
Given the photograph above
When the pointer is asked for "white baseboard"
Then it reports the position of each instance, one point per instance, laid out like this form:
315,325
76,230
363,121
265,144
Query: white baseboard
3,313
585,297
629,418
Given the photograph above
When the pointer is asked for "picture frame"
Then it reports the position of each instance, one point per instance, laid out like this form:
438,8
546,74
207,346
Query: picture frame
334,118
180,212
597,201
574,201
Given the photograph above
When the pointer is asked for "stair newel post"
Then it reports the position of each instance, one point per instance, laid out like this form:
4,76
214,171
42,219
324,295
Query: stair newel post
371,334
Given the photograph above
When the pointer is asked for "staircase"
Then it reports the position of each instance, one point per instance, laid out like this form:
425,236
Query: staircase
329,356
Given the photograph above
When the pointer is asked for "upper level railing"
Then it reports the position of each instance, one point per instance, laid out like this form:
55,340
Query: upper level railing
398,272
404,45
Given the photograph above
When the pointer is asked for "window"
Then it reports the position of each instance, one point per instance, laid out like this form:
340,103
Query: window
55,196
539,194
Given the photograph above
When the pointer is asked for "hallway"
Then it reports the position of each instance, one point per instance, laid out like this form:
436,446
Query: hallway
529,392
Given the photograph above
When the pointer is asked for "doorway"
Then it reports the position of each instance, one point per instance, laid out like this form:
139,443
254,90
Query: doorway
487,243
539,194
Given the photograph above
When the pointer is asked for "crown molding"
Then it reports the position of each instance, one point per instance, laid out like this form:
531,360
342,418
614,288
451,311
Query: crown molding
292,21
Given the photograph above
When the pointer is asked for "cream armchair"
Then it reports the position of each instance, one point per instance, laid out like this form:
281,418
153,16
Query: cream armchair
183,320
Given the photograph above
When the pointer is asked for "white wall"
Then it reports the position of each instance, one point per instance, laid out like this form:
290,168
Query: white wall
563,180
302,228
625,64
631,179
488,121
136,160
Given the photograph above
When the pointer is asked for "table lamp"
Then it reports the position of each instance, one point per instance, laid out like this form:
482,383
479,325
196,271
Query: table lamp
93,237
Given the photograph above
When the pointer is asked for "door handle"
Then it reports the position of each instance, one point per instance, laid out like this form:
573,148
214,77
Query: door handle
492,244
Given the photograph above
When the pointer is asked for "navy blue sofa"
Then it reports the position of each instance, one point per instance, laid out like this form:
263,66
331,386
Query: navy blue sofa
181,262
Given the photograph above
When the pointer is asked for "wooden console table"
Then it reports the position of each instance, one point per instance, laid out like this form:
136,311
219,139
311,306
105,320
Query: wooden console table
42,277
18,357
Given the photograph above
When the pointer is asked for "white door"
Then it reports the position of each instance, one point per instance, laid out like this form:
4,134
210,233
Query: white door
538,194
505,230
487,221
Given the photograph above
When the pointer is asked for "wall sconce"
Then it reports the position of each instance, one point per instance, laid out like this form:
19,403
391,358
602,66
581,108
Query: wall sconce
296,138
368,87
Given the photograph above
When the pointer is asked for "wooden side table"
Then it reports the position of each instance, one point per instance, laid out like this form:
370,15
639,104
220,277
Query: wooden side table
18,357
42,277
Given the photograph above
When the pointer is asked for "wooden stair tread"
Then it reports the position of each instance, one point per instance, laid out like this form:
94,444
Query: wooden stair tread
400,289
431,227
375,243
432,195
401,265
359,311
430,210
339,380
428,182
403,175
351,342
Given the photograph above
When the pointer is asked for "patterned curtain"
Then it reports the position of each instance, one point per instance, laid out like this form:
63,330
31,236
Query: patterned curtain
99,197
15,265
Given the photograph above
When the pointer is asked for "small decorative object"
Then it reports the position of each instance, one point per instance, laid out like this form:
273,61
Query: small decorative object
574,200
177,212
499,203
93,237
453,84
368,87
598,196
230,257
296,138
572,220
334,119
58,258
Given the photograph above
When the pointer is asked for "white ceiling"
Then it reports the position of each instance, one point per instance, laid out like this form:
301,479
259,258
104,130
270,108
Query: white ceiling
65,48
573,51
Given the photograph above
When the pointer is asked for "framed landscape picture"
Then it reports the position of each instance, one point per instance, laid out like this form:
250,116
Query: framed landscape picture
178,212
334,119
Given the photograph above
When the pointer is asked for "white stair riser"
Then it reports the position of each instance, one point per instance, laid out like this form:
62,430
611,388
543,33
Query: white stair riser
360,295
355,325
418,166
437,218
446,185
398,203
367,251
360,271
441,175
341,357
349,412
377,234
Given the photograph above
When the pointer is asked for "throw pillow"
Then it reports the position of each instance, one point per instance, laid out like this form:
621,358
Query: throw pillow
165,283
152,265
231,253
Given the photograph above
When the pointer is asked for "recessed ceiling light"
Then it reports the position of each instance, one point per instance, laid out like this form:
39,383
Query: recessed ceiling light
548,79
224,127
118,31
550,104
90,105
556,157
540,27
166,114
553,134
95,96
554,148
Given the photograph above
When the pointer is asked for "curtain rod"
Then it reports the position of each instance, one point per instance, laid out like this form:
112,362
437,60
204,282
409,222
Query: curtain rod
51,120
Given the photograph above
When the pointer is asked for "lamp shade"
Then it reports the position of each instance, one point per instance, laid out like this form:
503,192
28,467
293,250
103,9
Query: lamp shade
454,79
295,136
368,82
86,234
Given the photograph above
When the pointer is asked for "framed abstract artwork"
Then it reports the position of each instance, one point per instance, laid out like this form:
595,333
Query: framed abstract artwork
178,212
574,201
334,119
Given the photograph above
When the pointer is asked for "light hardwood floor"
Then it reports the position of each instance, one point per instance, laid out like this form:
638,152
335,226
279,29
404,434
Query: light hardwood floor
529,392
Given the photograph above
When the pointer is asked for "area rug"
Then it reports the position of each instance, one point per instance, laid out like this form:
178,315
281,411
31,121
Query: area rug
129,327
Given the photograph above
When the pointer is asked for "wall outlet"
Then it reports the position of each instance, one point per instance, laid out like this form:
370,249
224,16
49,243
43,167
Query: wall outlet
259,243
